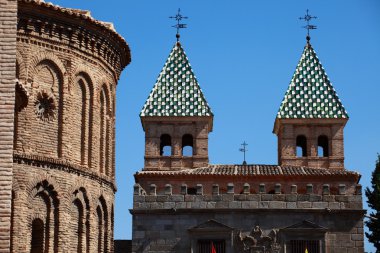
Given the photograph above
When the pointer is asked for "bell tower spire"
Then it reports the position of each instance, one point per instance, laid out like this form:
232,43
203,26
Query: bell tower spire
176,117
311,119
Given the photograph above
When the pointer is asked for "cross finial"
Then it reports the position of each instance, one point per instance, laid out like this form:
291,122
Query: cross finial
244,150
308,26
178,17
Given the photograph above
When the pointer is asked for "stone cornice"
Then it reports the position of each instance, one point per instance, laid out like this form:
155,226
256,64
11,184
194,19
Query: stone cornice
61,165
177,120
265,211
307,121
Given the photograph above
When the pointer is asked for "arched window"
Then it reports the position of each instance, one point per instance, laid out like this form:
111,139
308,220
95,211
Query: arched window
44,206
80,119
100,229
165,145
187,145
112,228
103,231
323,146
104,132
37,243
301,145
79,229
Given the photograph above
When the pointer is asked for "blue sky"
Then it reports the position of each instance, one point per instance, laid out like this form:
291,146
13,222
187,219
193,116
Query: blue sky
244,53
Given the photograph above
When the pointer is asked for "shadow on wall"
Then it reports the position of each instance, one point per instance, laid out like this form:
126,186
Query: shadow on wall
123,246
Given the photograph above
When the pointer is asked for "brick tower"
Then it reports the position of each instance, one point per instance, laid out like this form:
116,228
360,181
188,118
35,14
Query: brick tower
176,118
311,118
67,67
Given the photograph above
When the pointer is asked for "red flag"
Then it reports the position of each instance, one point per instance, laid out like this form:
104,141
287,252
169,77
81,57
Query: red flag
213,250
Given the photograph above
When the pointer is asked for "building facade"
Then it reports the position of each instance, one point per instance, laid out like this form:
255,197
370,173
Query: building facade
58,182
309,201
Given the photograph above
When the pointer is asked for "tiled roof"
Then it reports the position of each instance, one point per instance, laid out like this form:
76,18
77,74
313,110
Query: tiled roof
176,92
254,170
310,93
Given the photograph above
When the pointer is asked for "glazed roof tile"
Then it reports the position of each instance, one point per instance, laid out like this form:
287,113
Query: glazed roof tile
310,93
254,170
176,92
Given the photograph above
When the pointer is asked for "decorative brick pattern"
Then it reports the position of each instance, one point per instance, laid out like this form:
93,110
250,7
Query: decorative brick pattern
63,148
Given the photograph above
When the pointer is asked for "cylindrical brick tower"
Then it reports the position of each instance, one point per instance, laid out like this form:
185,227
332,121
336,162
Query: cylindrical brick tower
68,65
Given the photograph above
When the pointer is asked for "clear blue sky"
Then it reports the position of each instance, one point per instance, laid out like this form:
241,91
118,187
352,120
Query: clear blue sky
244,53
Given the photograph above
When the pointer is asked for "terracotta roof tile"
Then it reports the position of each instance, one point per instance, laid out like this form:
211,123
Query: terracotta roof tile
254,170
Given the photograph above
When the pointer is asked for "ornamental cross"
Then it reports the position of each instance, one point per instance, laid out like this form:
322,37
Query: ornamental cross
307,18
244,150
178,17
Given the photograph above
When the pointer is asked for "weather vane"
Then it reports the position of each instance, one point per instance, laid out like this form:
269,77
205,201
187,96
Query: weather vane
178,17
309,27
244,150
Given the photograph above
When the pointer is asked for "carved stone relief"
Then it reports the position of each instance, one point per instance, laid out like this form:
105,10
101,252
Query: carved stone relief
256,241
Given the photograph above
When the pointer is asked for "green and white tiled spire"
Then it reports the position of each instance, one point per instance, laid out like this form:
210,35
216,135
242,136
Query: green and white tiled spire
176,92
310,93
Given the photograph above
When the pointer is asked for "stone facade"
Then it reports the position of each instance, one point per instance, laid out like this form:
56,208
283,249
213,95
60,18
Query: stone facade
164,215
67,68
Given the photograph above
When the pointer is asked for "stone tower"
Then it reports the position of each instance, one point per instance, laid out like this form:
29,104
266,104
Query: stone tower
311,119
176,118
67,68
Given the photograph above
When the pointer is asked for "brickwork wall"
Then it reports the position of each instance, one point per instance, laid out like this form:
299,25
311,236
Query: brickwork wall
8,21
63,195
58,75
66,203
176,128
331,128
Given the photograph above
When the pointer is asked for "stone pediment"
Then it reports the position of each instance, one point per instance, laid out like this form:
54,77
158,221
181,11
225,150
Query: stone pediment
211,225
305,225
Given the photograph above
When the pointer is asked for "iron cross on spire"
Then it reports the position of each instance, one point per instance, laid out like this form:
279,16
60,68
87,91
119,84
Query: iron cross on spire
244,150
178,17
309,27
